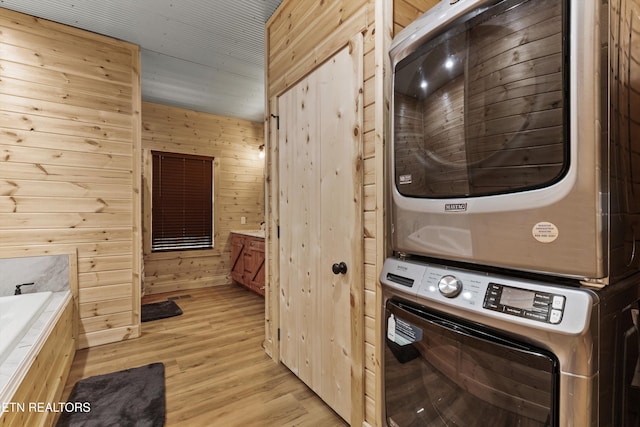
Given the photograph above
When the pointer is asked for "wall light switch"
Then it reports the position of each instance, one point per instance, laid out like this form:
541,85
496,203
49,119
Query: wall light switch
243,220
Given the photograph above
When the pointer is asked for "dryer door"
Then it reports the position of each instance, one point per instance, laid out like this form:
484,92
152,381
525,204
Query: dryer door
440,371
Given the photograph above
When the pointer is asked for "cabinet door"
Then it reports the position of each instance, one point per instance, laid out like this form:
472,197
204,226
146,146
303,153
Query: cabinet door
256,278
237,257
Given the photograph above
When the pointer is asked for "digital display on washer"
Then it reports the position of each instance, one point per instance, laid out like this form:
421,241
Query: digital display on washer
518,298
535,305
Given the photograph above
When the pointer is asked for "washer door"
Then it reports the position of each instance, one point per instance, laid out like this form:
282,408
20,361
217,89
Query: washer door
440,371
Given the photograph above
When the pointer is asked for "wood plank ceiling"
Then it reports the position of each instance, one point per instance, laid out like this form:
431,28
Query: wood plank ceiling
204,55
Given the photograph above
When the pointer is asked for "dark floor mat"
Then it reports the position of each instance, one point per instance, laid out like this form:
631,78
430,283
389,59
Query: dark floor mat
133,397
160,310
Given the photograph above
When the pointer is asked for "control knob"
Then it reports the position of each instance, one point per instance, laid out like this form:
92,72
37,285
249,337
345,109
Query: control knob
450,286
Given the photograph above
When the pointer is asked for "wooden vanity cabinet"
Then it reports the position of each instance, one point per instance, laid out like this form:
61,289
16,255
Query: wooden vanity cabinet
247,261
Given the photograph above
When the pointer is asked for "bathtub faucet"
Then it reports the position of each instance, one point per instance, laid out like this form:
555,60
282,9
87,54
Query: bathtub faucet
19,291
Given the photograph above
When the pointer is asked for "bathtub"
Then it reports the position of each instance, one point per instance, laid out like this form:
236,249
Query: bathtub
25,323
17,314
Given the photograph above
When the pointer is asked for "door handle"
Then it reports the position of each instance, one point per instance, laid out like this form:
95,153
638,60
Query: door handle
339,268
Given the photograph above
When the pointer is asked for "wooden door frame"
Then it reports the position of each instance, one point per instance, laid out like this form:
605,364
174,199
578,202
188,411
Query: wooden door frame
272,261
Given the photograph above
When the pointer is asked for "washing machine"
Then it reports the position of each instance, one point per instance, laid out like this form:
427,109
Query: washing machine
480,348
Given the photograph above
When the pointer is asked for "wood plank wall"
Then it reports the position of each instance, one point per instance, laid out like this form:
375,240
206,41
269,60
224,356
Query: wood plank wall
69,175
407,11
238,190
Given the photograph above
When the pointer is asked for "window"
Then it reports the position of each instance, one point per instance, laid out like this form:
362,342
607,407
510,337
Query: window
181,202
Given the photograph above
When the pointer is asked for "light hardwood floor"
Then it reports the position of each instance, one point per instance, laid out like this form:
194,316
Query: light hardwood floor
217,373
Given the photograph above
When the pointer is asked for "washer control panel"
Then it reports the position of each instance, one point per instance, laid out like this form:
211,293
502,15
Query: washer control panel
535,305
522,301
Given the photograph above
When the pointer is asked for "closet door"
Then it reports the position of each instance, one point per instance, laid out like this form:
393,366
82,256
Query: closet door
320,205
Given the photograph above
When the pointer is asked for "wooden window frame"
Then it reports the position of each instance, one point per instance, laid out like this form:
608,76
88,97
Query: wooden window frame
200,241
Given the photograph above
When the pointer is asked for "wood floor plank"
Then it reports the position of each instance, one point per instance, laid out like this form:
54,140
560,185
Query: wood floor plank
216,371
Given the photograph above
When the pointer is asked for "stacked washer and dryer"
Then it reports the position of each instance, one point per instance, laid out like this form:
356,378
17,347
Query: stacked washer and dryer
511,296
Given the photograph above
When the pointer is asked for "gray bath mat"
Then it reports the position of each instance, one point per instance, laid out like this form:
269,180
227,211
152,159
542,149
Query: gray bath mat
133,397
160,310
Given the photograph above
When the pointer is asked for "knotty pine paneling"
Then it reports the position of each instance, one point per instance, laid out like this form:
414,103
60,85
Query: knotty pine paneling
238,190
407,11
69,168
301,28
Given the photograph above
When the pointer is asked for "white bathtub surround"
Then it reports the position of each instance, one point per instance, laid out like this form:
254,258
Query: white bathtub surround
19,357
48,272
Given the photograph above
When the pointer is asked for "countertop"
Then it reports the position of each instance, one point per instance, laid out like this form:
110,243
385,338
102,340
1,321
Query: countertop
252,233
